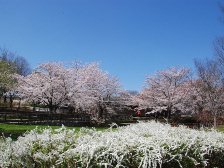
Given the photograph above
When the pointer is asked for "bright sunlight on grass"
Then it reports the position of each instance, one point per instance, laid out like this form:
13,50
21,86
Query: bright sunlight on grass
14,130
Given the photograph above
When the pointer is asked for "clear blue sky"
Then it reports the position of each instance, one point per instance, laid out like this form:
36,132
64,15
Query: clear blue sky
130,38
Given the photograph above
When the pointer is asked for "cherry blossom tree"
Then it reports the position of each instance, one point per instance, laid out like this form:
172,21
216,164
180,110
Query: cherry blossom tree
167,90
210,87
47,85
85,87
97,87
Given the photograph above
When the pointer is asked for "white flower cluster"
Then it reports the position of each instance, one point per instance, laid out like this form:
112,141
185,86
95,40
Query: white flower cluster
143,145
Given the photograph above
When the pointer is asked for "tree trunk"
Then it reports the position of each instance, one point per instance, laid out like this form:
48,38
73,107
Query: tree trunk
11,100
55,109
100,114
51,109
215,122
19,103
34,106
168,114
156,116
5,99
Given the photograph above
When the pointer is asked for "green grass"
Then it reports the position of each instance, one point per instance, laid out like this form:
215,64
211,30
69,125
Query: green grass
220,128
14,130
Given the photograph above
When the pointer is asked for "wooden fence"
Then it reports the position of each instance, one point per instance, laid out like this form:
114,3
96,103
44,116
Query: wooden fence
43,118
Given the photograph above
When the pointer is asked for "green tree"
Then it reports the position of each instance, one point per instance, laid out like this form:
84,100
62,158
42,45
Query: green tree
19,63
11,63
6,78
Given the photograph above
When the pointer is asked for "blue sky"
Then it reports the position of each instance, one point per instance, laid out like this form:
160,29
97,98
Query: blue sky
129,38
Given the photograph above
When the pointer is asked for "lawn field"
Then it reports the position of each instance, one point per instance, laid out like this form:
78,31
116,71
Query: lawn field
14,130
221,128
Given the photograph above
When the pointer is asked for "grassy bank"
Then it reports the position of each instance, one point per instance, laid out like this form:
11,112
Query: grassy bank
14,130
221,128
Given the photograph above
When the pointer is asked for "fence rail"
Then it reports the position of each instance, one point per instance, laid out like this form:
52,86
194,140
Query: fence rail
25,117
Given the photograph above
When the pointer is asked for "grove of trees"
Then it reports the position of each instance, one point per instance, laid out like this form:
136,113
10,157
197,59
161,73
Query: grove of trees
177,89
82,87
87,88
167,90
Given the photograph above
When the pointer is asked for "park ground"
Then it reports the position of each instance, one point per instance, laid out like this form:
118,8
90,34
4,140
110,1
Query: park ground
14,130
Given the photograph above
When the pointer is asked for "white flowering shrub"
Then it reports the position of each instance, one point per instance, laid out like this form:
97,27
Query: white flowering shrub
143,145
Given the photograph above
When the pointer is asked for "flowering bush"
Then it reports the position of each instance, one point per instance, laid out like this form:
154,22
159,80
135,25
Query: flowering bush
144,145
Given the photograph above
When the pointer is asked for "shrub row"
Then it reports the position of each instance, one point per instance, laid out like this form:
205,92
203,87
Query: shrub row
143,145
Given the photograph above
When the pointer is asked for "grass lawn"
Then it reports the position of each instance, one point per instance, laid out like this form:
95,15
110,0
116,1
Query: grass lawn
221,128
14,130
